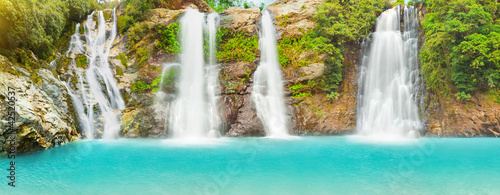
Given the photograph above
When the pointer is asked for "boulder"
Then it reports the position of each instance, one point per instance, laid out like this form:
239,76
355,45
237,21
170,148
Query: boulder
310,72
238,18
296,16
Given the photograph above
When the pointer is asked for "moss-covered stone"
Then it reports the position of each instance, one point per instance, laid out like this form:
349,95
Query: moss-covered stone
81,61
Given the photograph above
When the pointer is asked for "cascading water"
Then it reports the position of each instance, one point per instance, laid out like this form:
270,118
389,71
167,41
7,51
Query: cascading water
212,75
268,84
83,120
100,79
194,112
76,45
102,87
388,83
410,38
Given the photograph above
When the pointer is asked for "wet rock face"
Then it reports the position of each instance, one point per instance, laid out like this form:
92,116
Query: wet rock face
238,112
44,116
247,122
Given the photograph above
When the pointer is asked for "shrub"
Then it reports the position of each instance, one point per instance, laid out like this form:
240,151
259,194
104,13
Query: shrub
142,55
300,90
290,49
123,59
124,23
461,47
463,96
38,25
140,86
137,33
167,40
332,96
339,23
239,46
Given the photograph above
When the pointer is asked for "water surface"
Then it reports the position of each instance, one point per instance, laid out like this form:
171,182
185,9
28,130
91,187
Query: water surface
305,165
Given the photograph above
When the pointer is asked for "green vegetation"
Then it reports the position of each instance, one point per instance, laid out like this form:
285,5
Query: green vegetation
221,5
291,49
168,80
167,40
399,2
142,55
37,25
300,90
137,33
332,96
123,59
283,20
81,61
25,58
340,23
247,76
461,52
138,11
140,86
236,46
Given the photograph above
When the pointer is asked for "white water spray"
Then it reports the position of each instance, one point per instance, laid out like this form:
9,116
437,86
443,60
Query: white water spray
193,113
268,84
212,75
388,81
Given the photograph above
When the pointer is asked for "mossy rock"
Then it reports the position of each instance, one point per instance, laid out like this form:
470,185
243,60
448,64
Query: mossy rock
119,71
81,61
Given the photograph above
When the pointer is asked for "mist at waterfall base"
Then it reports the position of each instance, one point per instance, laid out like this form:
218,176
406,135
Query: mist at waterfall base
389,79
309,165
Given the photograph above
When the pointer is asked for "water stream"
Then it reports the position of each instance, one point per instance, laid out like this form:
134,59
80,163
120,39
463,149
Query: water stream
388,85
194,113
100,86
268,83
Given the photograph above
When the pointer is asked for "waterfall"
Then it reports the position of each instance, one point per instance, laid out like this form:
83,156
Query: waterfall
100,86
100,79
212,74
268,84
83,120
194,112
388,83
75,45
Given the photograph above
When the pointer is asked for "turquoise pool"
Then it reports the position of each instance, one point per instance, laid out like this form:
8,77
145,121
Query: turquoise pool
305,165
